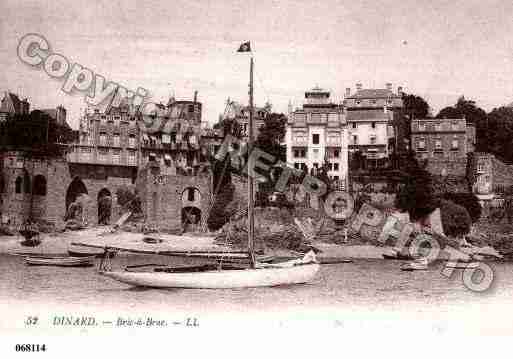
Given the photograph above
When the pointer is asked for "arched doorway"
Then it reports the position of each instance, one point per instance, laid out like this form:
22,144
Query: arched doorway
75,189
104,206
191,219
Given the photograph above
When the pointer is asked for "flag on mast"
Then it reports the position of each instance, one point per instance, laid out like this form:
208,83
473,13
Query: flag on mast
245,47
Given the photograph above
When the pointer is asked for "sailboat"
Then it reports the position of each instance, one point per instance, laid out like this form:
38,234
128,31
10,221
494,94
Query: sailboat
258,274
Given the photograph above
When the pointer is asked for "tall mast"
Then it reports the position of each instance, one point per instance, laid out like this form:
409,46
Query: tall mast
251,231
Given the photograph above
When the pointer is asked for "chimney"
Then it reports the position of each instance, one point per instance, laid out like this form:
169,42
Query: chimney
358,86
195,96
400,90
348,91
389,86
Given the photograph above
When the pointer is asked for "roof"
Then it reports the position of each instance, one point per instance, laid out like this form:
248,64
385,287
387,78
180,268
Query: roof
373,93
14,100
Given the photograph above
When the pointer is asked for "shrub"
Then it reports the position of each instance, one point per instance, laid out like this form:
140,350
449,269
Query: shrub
467,200
456,220
129,199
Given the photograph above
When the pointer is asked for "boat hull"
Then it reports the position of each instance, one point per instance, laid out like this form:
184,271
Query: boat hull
60,261
223,279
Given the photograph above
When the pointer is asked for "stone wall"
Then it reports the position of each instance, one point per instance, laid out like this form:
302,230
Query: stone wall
164,196
502,176
16,208
457,167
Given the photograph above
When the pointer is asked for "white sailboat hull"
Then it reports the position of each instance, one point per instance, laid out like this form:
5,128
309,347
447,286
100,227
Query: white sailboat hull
221,279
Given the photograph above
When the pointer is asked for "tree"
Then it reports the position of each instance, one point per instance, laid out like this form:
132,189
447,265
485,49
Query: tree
474,115
467,200
128,199
499,133
415,106
416,196
456,220
230,126
271,134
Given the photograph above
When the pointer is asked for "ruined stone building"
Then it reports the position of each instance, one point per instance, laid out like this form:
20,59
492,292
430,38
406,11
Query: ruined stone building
159,154
240,113
32,163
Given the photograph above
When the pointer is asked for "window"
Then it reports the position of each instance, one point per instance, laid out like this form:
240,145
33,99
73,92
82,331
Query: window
116,140
335,178
303,167
103,139
335,167
373,124
131,157
131,141
438,145
40,185
422,126
355,125
116,156
86,153
336,153
355,139
438,127
315,138
296,165
296,153
190,195
455,126
421,145
454,144
481,167
373,140
18,184
102,154
190,108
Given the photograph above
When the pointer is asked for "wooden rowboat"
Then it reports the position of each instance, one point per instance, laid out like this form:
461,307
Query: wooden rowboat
59,261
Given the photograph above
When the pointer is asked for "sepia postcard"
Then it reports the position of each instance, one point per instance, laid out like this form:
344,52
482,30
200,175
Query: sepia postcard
255,178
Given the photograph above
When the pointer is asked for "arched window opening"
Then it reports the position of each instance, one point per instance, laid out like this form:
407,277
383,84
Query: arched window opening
18,183
26,183
40,185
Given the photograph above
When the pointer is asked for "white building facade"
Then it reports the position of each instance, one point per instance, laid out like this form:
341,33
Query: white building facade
316,135
370,120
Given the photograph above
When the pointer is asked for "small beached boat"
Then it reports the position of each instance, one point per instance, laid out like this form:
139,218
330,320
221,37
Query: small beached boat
59,261
89,252
398,256
417,264
461,265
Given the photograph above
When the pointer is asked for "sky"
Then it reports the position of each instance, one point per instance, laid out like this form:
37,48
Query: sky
437,49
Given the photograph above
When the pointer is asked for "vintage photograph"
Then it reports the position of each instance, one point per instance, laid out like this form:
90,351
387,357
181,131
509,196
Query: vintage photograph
180,169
